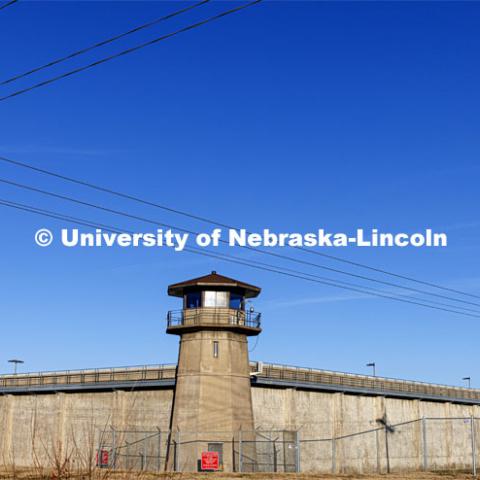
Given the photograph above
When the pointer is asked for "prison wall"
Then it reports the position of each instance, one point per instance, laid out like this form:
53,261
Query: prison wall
37,430
342,433
338,432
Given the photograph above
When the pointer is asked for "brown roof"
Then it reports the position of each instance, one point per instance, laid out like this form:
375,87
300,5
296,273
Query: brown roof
213,280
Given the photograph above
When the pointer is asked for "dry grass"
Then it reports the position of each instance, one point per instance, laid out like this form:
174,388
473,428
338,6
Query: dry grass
110,475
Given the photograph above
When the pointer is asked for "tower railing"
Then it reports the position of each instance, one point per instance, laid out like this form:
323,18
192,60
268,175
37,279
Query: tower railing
213,316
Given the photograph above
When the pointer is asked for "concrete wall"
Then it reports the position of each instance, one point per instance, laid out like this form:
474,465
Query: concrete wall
319,415
37,428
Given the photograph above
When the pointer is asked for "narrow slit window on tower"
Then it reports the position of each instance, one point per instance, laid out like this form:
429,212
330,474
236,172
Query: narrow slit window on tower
215,349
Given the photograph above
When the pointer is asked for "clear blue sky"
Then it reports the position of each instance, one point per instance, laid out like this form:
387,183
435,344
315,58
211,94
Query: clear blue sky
288,115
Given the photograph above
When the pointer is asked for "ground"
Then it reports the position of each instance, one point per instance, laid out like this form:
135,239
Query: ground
107,475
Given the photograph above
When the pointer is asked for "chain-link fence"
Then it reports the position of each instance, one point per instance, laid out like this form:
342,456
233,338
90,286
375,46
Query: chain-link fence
243,451
132,449
276,451
422,444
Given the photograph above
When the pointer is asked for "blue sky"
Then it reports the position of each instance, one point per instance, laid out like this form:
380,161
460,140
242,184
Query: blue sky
288,115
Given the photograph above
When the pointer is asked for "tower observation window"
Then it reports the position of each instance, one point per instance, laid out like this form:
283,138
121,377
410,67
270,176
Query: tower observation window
193,300
236,301
216,299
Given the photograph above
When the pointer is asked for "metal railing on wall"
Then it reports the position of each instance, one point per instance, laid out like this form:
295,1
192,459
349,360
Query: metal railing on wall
380,384
90,376
273,372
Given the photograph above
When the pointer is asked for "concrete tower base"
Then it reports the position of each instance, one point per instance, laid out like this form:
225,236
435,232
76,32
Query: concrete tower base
212,398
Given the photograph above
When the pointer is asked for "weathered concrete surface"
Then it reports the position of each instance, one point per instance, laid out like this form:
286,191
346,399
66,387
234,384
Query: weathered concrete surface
319,415
37,428
213,395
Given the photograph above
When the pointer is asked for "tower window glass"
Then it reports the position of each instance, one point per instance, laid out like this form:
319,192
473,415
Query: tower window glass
236,301
216,299
193,300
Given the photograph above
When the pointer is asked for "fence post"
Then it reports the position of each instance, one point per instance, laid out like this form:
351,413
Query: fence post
144,453
275,460
334,455
114,448
177,450
99,448
297,451
387,449
424,441
240,454
159,460
474,446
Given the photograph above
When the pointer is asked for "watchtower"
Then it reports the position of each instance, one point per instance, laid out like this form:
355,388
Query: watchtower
212,401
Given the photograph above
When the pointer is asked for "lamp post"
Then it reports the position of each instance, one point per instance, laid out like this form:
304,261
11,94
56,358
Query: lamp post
372,364
468,380
15,362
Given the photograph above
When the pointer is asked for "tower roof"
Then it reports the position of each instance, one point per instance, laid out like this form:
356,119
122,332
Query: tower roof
213,280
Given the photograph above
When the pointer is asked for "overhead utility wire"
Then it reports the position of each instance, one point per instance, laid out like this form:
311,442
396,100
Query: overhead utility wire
198,250
337,282
192,232
102,43
130,50
229,258
219,224
331,284
7,4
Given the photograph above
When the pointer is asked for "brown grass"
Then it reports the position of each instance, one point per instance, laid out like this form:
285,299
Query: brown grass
103,474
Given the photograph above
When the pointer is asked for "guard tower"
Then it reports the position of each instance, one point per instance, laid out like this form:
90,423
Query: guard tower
212,401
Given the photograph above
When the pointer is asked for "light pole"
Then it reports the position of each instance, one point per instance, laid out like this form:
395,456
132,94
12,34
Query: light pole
372,364
15,362
468,380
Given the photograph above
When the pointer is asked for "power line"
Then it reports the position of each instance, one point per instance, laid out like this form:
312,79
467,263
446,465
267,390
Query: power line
331,284
220,224
192,232
337,282
130,50
103,42
228,258
7,4
225,256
